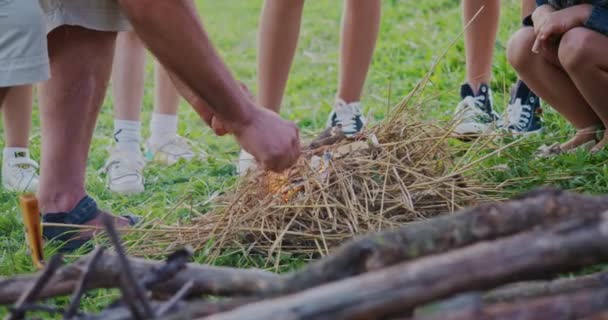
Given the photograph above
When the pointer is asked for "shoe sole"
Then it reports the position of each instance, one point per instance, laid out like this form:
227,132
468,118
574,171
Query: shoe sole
128,190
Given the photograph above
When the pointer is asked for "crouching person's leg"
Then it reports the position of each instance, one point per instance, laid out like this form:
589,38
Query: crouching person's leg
545,75
582,52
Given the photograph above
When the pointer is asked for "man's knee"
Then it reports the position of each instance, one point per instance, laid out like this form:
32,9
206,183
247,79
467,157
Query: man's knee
519,49
575,48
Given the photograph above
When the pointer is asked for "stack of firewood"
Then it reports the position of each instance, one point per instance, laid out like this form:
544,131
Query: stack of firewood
495,261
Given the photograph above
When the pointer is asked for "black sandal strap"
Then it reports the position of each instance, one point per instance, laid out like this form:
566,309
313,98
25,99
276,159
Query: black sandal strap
85,211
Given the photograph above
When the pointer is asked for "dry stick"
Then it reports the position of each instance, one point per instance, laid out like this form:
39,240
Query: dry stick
33,291
81,286
166,307
131,289
582,303
221,281
537,254
414,240
175,263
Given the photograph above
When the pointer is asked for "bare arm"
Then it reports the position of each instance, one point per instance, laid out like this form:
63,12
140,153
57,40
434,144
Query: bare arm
174,33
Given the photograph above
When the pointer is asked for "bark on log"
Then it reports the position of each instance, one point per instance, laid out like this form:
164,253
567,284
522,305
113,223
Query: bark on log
532,255
415,240
534,289
572,306
106,274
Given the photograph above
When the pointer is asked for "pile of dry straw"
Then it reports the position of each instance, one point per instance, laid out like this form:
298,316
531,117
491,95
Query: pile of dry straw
403,169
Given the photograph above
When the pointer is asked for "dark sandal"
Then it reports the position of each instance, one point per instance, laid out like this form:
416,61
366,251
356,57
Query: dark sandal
85,211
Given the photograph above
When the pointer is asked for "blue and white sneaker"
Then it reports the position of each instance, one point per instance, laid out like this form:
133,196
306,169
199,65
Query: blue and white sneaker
475,114
524,111
348,116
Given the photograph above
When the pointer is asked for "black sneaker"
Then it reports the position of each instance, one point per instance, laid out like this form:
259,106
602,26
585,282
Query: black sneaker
475,114
348,116
524,111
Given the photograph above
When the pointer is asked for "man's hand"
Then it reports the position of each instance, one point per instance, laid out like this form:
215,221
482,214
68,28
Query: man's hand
552,26
274,142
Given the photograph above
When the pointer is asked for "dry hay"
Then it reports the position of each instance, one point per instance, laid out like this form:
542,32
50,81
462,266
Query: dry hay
401,170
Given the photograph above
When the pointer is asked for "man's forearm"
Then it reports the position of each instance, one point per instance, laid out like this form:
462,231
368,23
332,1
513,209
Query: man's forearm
173,32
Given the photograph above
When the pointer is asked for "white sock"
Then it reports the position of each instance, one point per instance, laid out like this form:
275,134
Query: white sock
12,153
163,128
127,135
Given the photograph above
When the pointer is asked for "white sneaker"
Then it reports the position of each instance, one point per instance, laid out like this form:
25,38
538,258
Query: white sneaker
19,174
171,151
246,163
124,171
347,115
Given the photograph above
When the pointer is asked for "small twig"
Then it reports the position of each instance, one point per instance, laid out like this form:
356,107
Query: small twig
175,263
31,294
82,282
130,288
167,306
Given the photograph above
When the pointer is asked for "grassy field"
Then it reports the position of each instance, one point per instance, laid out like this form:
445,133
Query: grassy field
413,34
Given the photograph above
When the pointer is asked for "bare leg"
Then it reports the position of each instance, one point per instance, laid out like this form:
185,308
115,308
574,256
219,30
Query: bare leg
17,109
560,92
527,7
582,53
128,76
479,39
360,25
166,97
278,38
81,61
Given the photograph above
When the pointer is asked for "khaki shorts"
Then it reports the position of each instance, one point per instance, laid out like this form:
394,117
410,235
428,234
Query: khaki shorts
24,25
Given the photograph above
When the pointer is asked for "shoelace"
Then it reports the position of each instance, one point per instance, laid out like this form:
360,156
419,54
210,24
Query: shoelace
347,114
26,167
471,107
519,114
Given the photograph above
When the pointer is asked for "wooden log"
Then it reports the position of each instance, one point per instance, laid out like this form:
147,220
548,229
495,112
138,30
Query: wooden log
533,289
532,255
572,306
106,274
415,240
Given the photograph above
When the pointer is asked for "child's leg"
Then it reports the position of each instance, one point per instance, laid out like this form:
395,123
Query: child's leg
163,126
278,38
18,169
124,167
527,7
17,116
479,40
165,145
128,79
582,53
360,25
552,83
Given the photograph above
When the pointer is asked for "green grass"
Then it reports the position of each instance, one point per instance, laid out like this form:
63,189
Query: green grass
413,34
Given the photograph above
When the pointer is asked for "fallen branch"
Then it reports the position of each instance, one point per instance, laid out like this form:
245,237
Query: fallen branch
415,240
533,255
32,292
106,274
582,303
